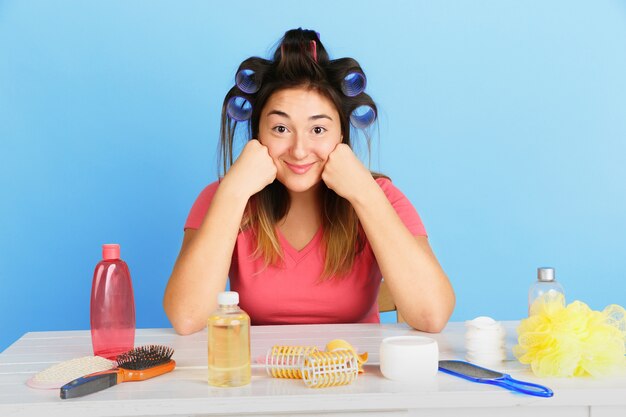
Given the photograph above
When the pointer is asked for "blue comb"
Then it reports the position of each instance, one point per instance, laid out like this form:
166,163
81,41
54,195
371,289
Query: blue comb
475,373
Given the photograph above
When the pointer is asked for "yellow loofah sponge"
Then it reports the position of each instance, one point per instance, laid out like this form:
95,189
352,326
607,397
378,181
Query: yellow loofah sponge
573,340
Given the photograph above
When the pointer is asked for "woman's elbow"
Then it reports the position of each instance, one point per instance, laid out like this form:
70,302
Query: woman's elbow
186,328
429,325
181,321
435,326
434,321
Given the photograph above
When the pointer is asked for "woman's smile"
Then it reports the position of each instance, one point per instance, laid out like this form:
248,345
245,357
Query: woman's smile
299,168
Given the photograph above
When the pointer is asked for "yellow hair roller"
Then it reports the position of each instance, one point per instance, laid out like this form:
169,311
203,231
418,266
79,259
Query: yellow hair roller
287,361
338,365
339,344
328,369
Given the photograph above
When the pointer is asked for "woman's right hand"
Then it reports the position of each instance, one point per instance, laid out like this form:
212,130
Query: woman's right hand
201,270
253,170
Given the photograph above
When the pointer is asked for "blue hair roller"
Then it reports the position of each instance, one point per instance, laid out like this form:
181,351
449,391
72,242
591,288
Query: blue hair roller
239,108
246,81
362,117
353,84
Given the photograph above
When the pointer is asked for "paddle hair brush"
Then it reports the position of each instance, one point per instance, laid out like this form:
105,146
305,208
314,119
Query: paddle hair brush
139,364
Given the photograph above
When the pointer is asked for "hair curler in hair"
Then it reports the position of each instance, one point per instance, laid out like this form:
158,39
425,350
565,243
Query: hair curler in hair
362,116
239,108
247,82
353,84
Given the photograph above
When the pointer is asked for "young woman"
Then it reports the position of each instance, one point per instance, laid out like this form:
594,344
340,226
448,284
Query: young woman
302,228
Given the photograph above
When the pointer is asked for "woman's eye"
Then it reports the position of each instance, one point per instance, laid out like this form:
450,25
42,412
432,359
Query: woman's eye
280,129
318,130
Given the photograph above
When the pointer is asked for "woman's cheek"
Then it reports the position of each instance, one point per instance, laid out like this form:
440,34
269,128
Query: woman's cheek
326,150
274,150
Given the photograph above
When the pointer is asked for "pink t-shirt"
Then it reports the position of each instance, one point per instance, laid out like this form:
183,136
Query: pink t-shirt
291,293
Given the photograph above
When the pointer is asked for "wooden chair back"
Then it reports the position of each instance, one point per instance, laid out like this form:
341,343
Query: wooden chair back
385,301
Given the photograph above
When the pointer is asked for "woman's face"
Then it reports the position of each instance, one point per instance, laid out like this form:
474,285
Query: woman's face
300,128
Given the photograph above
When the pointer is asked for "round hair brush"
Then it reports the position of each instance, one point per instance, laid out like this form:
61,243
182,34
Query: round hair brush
138,364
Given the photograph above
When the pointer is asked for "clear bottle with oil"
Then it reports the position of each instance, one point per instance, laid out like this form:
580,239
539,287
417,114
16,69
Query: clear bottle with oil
229,343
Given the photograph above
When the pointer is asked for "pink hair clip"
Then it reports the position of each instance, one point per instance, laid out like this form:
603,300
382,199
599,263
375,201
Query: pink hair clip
314,50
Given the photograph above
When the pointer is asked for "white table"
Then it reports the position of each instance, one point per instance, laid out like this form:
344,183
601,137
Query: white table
185,392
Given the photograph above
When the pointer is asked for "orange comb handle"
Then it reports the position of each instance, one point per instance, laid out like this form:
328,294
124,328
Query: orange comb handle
102,380
125,375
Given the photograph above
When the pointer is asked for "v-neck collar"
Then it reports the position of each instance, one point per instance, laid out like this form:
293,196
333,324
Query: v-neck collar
293,253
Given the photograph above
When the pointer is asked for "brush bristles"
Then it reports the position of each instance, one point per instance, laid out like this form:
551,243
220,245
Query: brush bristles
144,357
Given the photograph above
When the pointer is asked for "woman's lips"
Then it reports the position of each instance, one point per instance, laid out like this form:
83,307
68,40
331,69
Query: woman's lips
299,169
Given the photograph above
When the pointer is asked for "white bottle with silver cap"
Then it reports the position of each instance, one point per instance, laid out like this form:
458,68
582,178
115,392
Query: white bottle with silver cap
546,282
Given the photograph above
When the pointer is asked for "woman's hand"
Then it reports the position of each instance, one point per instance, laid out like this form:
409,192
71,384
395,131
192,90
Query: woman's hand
201,270
253,170
345,174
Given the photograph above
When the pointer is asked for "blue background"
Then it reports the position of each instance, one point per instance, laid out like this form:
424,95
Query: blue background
503,121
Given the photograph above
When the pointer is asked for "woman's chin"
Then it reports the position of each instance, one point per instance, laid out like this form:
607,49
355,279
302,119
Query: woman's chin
300,185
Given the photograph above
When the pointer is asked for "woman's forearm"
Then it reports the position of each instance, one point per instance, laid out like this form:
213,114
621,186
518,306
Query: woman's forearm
201,270
420,288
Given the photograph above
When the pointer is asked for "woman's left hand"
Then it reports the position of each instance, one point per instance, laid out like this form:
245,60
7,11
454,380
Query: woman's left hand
345,174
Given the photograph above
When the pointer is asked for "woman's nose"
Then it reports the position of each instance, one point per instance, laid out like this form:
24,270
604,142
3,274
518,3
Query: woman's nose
299,147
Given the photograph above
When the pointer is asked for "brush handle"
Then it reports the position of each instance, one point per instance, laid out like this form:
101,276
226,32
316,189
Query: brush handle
102,380
89,384
125,375
522,386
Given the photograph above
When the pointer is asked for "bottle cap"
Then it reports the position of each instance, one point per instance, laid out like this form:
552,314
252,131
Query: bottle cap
111,251
228,298
545,274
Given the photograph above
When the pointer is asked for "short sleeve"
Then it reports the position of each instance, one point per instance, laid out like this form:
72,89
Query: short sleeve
403,207
200,207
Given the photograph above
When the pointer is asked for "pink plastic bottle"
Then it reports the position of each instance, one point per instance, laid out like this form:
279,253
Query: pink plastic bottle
112,305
